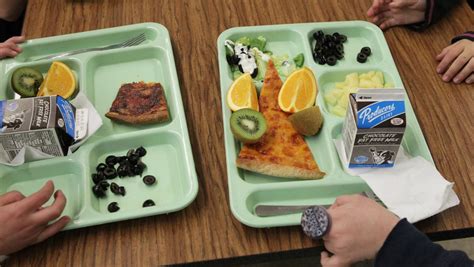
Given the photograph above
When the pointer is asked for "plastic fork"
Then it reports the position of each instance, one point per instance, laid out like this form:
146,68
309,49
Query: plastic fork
130,42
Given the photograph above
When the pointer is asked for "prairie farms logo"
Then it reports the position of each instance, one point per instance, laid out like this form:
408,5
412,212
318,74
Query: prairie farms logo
366,115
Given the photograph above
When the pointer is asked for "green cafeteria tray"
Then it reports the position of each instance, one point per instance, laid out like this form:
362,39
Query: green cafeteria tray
248,189
100,75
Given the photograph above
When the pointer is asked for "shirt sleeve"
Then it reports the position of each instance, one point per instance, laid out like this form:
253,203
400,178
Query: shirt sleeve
435,10
466,35
406,246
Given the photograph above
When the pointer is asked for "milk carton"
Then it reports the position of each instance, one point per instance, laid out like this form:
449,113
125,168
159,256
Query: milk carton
45,123
374,127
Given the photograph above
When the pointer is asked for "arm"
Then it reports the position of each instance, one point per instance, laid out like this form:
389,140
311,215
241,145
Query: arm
10,10
435,10
406,246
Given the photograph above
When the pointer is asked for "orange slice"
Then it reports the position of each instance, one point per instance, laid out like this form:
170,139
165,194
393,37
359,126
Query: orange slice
242,94
59,80
299,91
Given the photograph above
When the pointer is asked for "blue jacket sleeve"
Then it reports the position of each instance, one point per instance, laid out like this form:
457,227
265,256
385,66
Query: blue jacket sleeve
406,246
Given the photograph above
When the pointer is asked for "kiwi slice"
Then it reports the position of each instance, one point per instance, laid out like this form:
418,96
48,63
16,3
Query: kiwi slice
26,81
308,121
248,125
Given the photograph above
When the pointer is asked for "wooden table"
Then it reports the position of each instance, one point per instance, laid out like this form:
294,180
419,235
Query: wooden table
206,230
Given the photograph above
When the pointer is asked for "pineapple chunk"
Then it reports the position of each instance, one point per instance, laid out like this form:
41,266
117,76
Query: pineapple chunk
366,84
380,76
352,80
389,85
330,97
338,111
340,85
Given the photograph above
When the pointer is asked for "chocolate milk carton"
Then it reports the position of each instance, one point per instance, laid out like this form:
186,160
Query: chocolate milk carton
45,123
374,127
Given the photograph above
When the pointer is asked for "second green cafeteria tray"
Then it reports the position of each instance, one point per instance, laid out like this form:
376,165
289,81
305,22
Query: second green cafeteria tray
100,74
248,189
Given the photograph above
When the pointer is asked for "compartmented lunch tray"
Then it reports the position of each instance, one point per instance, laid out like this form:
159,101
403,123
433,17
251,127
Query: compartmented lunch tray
248,189
100,74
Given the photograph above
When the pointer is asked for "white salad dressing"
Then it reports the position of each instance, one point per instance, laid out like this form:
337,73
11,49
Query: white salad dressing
246,58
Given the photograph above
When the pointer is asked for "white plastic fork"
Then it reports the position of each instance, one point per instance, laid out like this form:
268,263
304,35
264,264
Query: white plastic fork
130,42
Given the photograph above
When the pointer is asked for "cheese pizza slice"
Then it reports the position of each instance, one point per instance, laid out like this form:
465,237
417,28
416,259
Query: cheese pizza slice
282,151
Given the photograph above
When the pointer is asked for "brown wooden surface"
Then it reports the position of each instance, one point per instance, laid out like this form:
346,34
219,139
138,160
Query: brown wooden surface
206,229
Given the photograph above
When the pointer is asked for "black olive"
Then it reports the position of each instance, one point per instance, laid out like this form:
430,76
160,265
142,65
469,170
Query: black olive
235,59
115,188
97,177
110,173
229,60
331,60
98,191
322,61
122,170
254,73
133,159
104,185
101,167
240,68
111,160
342,38
122,191
141,151
366,50
113,207
130,152
148,203
149,179
361,58
121,159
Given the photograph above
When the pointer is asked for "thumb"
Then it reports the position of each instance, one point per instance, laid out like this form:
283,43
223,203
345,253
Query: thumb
332,261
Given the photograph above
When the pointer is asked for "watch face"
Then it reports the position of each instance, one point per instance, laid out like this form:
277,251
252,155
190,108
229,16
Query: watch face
315,222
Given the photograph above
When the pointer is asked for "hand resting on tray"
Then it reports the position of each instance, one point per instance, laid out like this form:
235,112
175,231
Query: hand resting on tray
24,220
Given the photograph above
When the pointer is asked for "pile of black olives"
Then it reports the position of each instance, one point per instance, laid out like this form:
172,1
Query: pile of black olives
117,166
328,48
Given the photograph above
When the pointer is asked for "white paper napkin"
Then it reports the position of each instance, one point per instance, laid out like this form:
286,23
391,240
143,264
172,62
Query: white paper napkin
28,153
412,189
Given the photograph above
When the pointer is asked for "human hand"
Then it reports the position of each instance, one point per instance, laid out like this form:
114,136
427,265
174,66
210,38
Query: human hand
389,13
457,61
358,230
10,47
24,221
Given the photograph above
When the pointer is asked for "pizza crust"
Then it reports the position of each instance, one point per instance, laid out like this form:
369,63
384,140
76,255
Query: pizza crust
278,170
141,119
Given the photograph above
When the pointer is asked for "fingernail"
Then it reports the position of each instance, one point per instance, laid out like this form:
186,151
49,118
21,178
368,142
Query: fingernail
445,78
456,80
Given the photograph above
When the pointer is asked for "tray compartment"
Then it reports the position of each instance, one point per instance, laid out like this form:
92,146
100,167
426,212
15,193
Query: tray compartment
279,41
358,36
321,148
39,48
43,67
328,79
108,71
292,195
65,174
165,159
